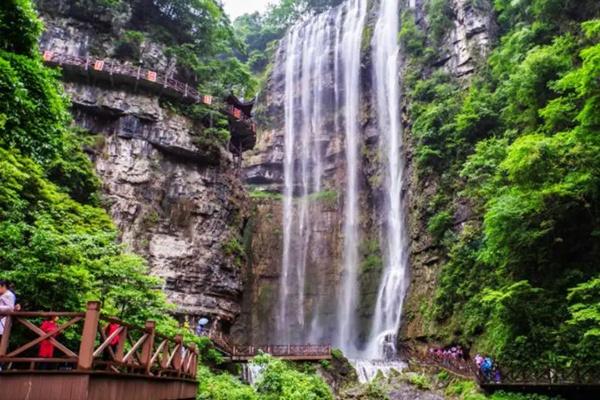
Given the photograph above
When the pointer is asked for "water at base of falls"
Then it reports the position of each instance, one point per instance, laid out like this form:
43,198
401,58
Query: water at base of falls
251,372
367,370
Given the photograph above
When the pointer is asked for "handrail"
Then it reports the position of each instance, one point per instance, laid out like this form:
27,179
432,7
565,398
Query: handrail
151,78
139,350
283,350
509,375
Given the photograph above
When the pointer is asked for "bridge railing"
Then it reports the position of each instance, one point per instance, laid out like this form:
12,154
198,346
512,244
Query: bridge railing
282,350
541,375
86,345
151,78
509,374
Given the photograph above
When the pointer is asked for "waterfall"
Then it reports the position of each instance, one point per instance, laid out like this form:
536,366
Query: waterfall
312,47
321,63
350,46
367,370
307,48
251,372
392,288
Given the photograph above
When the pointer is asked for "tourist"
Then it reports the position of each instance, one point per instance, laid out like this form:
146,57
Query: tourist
200,330
497,376
7,303
46,346
478,361
114,342
486,368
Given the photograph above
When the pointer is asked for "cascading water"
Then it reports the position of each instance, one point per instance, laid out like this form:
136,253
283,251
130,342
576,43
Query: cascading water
308,46
392,289
350,60
322,70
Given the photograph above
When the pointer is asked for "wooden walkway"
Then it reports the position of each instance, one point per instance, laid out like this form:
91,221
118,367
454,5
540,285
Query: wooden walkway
143,365
235,353
570,383
242,126
290,352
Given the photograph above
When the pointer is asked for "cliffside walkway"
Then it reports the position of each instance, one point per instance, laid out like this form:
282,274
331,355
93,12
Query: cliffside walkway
572,383
236,353
144,365
242,126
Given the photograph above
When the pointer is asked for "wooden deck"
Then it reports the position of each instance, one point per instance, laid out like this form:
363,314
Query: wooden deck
143,365
92,385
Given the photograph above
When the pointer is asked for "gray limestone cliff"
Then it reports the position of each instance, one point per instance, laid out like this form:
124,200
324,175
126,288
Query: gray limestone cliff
176,199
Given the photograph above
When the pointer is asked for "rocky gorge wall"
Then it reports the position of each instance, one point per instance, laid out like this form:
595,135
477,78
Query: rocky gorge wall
465,42
177,200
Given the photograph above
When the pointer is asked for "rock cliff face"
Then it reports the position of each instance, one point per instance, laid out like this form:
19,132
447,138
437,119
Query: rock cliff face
466,44
177,202
466,41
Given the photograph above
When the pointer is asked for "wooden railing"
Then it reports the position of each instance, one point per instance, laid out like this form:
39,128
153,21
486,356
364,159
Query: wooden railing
84,345
509,375
537,375
151,79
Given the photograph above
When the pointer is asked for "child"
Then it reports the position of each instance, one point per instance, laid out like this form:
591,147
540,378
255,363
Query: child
46,346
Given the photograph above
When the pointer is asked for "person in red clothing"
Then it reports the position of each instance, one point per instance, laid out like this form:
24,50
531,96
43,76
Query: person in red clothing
114,343
46,346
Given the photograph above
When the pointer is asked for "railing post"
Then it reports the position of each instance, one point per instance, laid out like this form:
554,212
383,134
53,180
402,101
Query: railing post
177,356
5,335
148,346
88,337
192,364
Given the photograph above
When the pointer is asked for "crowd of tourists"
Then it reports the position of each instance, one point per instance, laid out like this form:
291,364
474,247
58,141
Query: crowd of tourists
453,355
450,353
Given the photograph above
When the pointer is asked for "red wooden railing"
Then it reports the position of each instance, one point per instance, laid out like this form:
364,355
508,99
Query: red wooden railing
151,79
84,345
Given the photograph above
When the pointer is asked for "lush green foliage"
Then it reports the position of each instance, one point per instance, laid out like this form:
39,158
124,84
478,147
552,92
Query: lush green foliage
277,381
260,32
20,27
521,147
222,386
56,245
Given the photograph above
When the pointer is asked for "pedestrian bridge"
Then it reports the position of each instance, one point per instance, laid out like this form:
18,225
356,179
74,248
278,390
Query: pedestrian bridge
144,365
291,353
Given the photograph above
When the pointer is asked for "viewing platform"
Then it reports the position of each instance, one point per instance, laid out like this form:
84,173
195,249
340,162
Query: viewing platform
143,365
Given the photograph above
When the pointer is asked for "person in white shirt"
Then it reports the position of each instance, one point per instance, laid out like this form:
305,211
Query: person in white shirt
7,303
